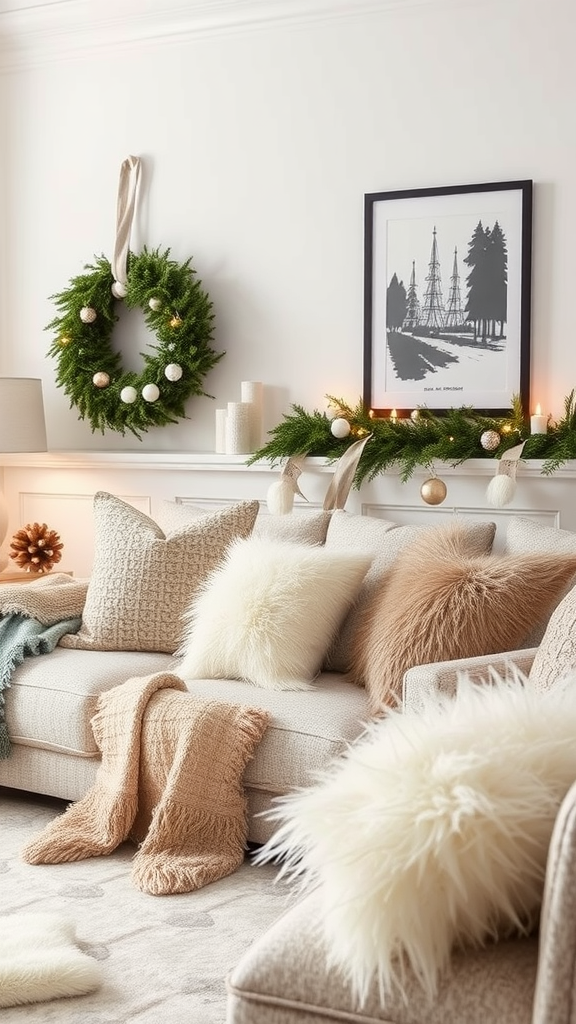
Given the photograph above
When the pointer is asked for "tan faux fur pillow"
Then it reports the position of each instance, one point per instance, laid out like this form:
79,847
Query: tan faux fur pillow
441,602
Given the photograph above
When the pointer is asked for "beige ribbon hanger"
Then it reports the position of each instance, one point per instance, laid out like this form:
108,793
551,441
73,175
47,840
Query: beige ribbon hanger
127,187
341,482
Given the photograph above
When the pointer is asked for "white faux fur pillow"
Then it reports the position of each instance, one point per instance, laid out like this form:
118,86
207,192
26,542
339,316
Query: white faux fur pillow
268,613
433,831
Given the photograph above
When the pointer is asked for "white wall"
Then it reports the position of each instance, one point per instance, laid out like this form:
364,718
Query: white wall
259,141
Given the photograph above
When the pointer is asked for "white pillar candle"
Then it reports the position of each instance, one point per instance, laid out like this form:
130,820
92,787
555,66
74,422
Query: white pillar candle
220,445
538,422
251,391
238,428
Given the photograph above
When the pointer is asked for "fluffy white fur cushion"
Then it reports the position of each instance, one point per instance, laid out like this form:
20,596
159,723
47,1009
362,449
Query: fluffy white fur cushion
39,960
268,613
433,831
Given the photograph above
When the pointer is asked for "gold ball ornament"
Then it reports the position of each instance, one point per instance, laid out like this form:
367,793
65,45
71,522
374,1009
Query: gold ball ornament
101,379
88,315
433,491
490,440
176,321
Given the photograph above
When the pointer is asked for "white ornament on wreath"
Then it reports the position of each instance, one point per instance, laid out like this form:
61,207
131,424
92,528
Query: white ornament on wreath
101,380
173,372
88,315
340,427
128,395
150,392
155,305
490,439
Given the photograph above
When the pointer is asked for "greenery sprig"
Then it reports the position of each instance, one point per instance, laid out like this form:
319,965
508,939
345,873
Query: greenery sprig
425,438
176,310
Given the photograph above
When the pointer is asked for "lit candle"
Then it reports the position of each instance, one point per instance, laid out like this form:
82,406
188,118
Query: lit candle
538,422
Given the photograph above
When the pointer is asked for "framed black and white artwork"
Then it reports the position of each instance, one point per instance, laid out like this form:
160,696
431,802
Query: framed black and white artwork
447,276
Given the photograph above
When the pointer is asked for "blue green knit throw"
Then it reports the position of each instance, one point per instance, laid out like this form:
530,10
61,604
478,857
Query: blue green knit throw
21,637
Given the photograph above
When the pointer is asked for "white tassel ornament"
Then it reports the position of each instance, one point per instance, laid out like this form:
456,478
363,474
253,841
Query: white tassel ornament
280,494
502,488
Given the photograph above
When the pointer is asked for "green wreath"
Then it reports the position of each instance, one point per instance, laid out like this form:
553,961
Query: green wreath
175,308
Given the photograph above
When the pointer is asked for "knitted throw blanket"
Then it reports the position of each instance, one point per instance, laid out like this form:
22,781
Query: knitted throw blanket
171,779
33,618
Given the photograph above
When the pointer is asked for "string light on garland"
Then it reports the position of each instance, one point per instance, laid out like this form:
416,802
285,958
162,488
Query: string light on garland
452,437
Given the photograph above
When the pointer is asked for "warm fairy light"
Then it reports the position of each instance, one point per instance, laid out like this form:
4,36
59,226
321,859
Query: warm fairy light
506,428
371,414
394,415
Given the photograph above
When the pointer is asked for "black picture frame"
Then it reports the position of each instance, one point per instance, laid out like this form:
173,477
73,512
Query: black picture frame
472,347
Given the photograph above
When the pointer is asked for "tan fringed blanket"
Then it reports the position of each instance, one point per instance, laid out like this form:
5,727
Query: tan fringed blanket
170,779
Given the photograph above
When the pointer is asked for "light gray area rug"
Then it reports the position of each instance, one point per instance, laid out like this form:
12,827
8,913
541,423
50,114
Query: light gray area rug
163,958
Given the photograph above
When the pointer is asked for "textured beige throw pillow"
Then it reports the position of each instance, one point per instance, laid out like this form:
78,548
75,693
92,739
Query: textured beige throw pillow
441,603
143,580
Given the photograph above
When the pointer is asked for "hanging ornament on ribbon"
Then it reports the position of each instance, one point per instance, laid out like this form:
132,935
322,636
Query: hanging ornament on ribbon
433,491
502,487
280,494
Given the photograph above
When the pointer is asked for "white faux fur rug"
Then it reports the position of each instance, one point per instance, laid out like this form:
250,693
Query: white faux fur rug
39,960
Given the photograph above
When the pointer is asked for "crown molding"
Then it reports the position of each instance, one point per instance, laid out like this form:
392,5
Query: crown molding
46,31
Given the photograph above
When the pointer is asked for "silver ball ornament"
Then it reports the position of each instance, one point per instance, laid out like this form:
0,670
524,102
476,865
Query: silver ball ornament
128,395
340,427
490,440
101,379
433,491
173,371
150,392
88,315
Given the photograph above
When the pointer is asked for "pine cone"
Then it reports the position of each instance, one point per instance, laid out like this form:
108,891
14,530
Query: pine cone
36,548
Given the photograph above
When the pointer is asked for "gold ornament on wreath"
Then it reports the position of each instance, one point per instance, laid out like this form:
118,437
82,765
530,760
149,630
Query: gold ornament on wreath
36,548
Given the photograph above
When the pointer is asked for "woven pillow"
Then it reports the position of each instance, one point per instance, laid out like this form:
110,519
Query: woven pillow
556,655
441,603
432,832
295,527
142,580
268,613
384,541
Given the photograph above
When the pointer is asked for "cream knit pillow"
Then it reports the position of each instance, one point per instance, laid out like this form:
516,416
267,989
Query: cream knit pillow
143,580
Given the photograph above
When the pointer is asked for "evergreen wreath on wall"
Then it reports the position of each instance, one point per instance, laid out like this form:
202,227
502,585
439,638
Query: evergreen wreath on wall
421,440
176,309
178,312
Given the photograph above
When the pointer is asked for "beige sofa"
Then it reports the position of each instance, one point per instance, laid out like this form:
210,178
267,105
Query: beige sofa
53,697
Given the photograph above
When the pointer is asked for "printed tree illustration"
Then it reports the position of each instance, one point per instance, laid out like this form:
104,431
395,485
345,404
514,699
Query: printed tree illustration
454,311
395,304
412,318
487,281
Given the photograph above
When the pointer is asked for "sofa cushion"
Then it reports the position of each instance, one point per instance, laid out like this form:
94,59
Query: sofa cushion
53,698
383,541
268,613
442,602
305,527
284,978
143,580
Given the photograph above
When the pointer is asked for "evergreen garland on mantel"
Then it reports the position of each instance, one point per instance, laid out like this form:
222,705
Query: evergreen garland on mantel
451,437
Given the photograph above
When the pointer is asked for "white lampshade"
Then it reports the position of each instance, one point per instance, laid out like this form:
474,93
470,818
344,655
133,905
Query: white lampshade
22,425
22,429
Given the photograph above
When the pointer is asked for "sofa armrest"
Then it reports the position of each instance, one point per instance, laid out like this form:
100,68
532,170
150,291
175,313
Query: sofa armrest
555,995
443,675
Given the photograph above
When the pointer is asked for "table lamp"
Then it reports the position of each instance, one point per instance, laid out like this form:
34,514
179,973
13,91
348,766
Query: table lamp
22,429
